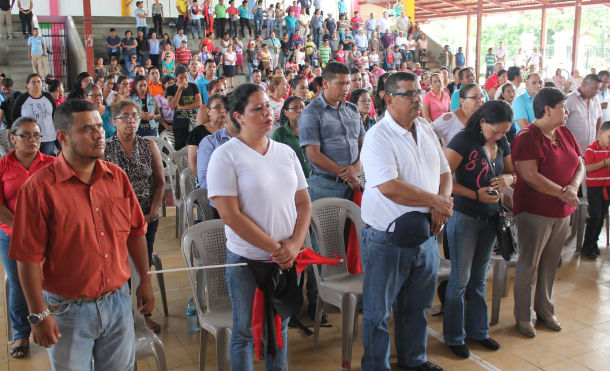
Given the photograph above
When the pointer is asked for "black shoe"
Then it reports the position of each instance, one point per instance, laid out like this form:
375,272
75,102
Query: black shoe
311,311
596,250
426,366
489,343
588,254
460,350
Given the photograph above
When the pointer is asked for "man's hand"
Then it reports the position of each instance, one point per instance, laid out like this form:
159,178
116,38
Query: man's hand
285,255
46,333
144,295
437,222
350,175
444,205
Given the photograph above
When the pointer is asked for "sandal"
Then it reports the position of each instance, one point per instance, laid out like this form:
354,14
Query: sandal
19,352
152,325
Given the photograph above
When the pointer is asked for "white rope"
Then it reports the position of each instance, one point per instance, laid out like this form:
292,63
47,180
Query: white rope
198,268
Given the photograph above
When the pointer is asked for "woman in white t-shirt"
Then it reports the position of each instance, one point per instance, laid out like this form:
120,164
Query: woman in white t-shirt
451,123
228,64
278,89
260,191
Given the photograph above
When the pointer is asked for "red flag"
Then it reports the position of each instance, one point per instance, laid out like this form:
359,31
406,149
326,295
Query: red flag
353,252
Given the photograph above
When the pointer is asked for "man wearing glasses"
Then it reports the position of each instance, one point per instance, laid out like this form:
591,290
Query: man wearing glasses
406,171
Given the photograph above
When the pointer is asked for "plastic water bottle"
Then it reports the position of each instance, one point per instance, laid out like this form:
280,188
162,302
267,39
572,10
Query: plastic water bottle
192,324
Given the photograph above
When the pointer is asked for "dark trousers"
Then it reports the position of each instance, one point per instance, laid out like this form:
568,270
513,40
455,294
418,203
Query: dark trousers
181,23
26,22
220,26
180,134
232,28
244,22
151,232
598,208
154,59
158,25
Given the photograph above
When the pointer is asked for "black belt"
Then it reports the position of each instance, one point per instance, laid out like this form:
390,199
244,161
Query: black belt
333,178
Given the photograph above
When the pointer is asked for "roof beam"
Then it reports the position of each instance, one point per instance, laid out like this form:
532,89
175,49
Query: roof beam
429,10
501,5
452,3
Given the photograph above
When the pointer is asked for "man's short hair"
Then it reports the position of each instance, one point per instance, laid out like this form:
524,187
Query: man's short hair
591,78
63,119
513,72
547,97
208,61
532,75
603,73
462,71
333,69
7,82
391,84
180,69
112,29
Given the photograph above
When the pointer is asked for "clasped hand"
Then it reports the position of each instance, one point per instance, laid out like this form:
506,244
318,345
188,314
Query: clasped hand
284,256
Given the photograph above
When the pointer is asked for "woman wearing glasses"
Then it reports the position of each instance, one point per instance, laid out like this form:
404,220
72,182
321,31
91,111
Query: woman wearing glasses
94,94
141,160
363,100
40,105
210,118
288,133
15,169
451,123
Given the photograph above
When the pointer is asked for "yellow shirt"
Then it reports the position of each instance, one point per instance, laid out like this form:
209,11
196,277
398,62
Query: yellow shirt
183,5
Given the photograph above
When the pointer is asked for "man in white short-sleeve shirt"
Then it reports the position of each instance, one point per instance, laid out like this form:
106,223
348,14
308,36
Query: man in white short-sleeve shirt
405,171
584,111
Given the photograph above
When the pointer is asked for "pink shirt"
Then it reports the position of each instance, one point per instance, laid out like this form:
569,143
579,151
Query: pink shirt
437,106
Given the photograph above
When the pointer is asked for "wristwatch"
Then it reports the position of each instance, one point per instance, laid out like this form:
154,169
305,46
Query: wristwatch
36,318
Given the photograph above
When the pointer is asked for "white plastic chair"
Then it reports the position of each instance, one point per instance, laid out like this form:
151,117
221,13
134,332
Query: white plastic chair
205,244
148,344
178,162
188,183
198,200
5,143
166,148
336,286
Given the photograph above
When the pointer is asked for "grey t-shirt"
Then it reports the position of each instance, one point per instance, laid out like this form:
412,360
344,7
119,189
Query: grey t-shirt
336,130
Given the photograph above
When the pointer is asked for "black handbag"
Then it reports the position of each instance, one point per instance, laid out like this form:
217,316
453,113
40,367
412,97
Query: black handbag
505,229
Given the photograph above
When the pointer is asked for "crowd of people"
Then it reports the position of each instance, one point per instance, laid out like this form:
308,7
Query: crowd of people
328,105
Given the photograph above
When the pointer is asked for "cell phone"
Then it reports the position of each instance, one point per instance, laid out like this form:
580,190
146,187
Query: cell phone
493,192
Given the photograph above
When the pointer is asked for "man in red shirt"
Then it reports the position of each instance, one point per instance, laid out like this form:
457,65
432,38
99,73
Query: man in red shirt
356,23
492,81
183,54
155,87
75,223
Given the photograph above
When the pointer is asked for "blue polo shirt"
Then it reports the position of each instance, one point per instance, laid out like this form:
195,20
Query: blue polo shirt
202,85
523,107
455,99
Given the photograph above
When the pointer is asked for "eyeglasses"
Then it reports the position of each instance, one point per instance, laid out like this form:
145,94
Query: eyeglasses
29,136
296,109
128,117
95,95
409,94
476,97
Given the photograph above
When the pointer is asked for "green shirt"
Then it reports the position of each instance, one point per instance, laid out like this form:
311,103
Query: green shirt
221,11
490,60
325,53
284,134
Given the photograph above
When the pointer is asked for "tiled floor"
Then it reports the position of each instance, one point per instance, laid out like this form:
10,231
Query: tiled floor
582,295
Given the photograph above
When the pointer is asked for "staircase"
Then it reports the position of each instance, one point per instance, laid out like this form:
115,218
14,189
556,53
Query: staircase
14,62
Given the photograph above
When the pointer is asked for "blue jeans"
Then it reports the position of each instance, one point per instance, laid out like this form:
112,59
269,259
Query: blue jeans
48,148
316,36
278,25
195,23
270,26
18,308
403,279
471,242
100,331
147,132
258,23
143,29
241,284
250,71
290,32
